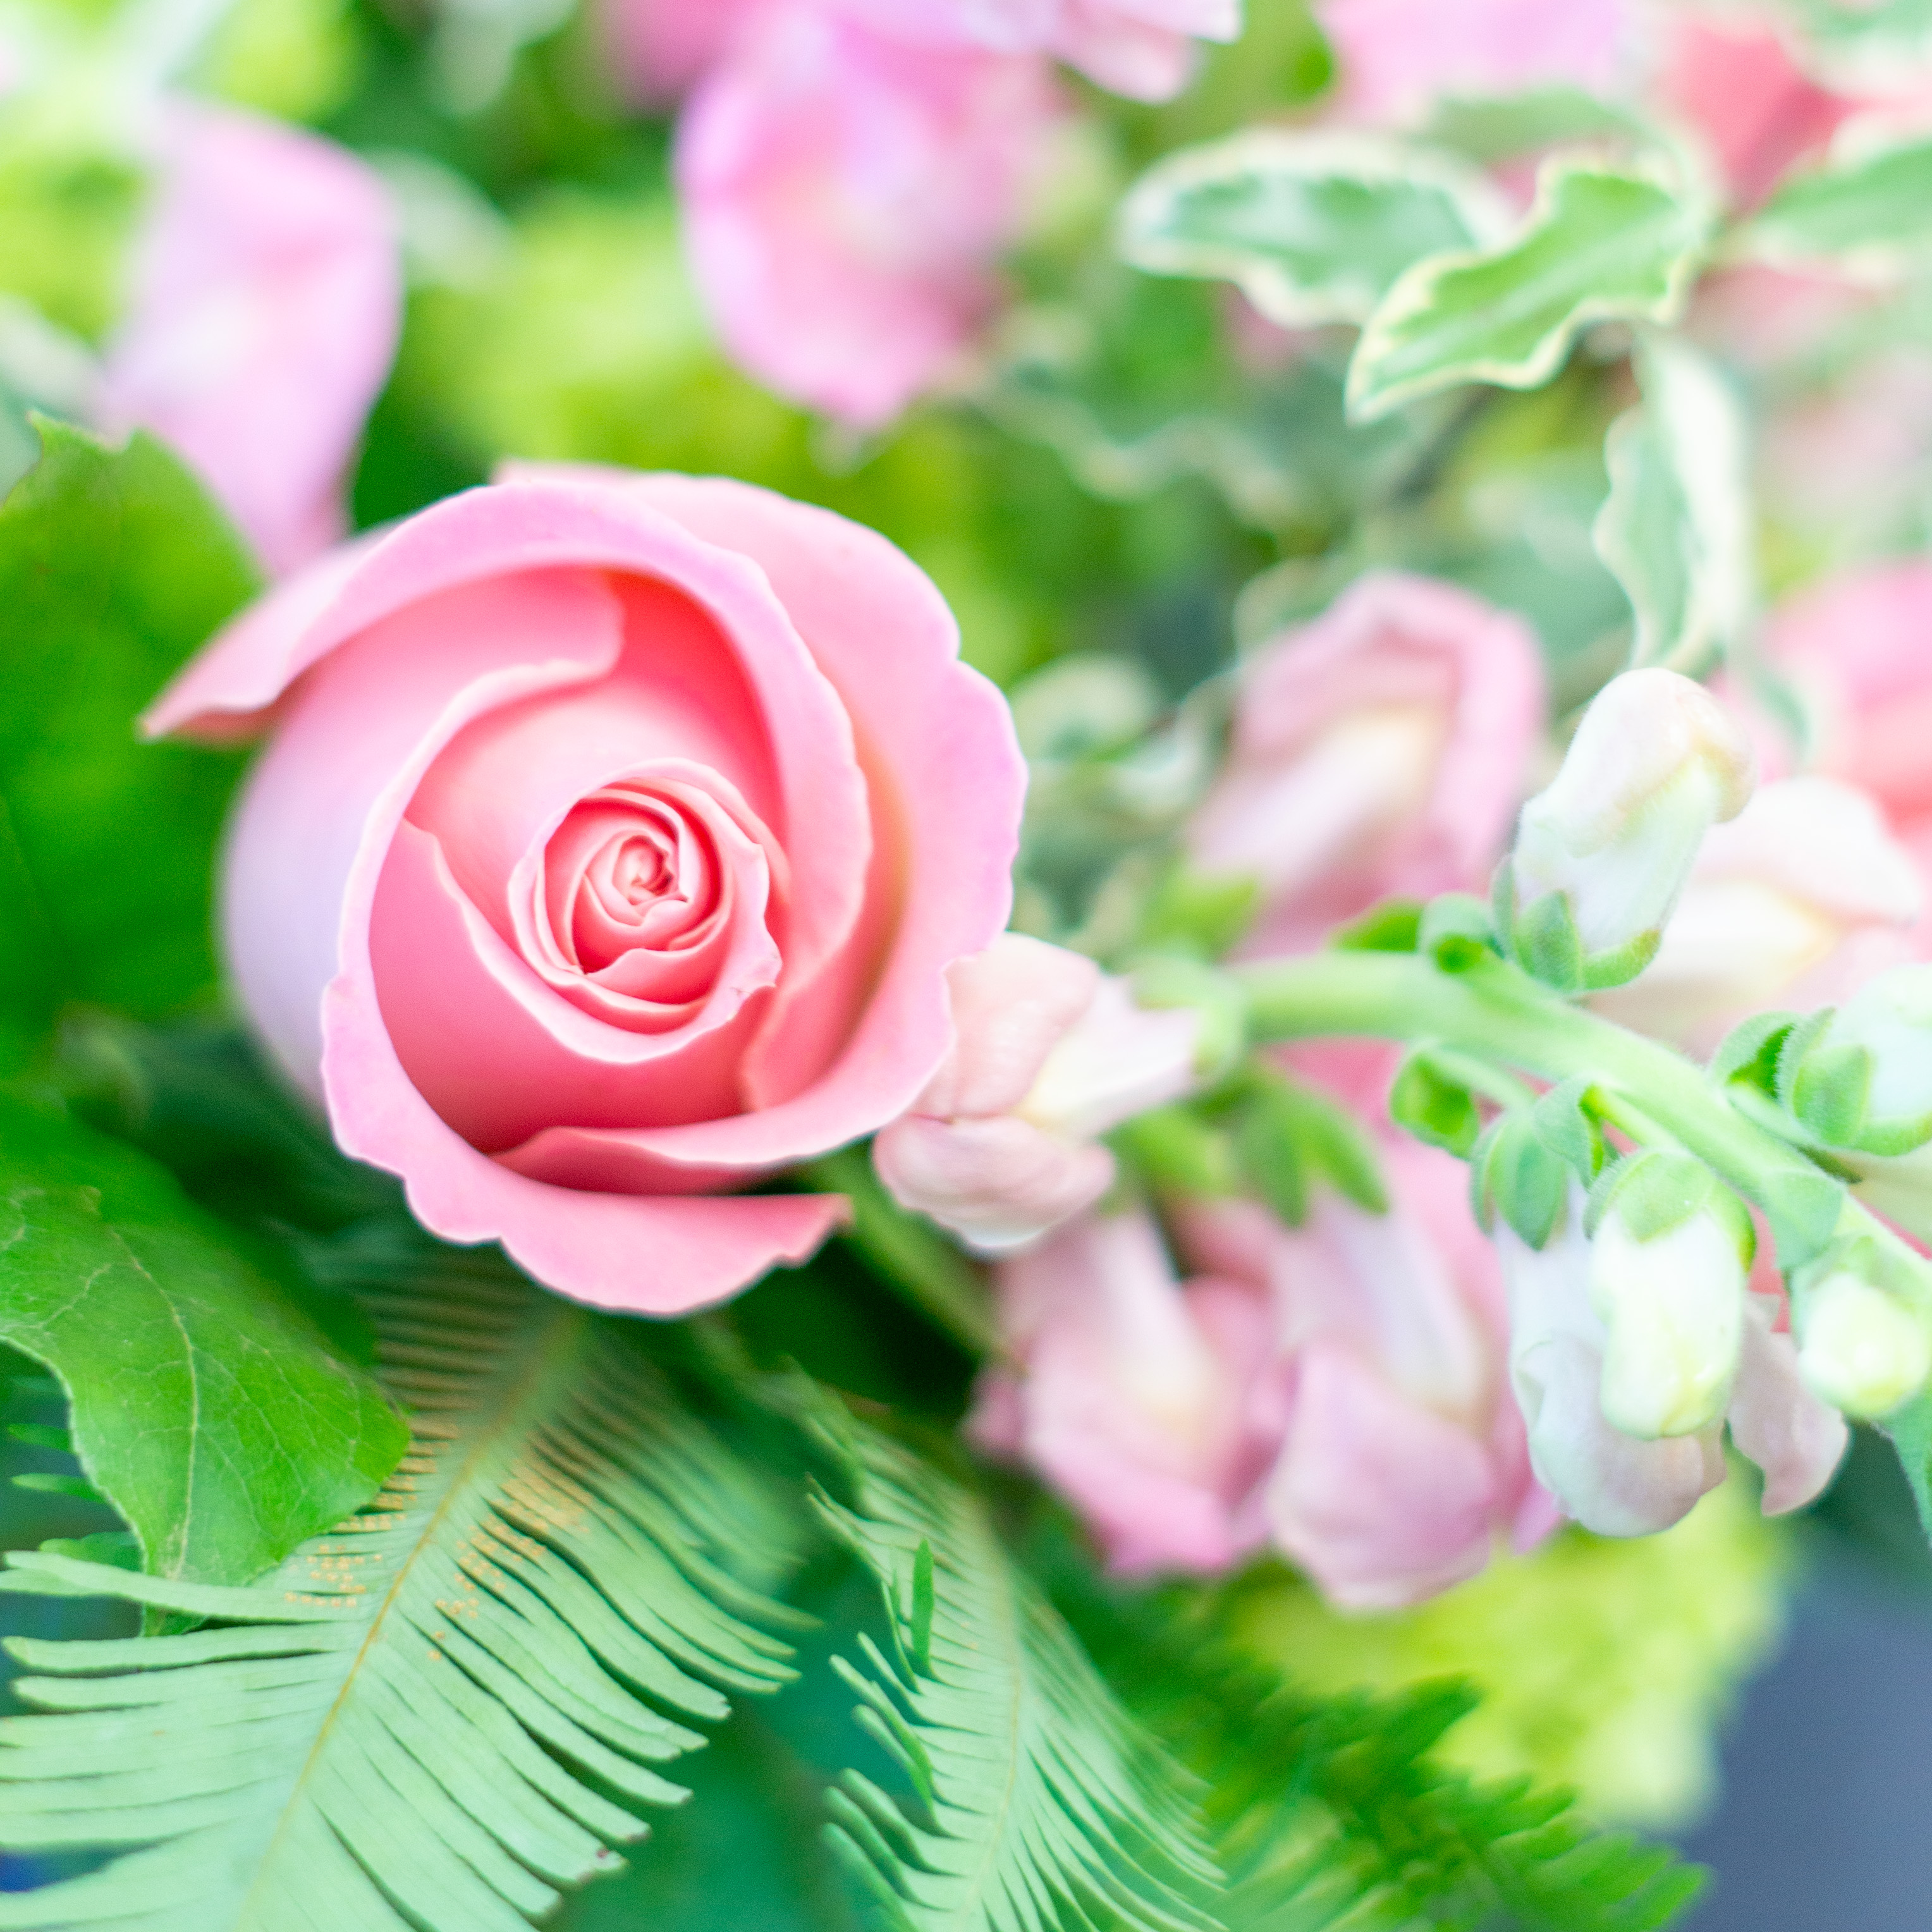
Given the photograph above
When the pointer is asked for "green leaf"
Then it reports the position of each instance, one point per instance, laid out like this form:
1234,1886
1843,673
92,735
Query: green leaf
1910,1431
1037,1800
1677,530
1434,1105
446,1712
205,1406
1518,1175
1869,209
1313,227
1493,129
114,568
1600,245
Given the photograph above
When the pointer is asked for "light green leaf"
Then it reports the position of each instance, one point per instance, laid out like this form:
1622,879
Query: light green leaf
1870,208
1600,245
1493,128
1313,227
1038,1801
206,1407
1865,45
1676,530
434,1719
114,568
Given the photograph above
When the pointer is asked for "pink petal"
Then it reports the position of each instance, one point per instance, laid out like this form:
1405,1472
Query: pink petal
1012,1005
997,1184
1797,1440
266,302
1381,1500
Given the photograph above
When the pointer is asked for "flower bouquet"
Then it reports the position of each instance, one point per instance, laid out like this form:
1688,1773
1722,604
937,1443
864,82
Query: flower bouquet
962,962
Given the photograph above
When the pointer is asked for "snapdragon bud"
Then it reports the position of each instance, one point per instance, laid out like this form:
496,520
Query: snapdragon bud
1668,1264
1862,1348
1602,853
1864,1080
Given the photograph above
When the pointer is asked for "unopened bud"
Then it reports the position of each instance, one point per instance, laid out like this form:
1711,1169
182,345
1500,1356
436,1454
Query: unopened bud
1602,852
1866,1081
1863,1350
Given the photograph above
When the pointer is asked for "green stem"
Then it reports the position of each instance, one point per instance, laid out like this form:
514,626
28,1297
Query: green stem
1497,1013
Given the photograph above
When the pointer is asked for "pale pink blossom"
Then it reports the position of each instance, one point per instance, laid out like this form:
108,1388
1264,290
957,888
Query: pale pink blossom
1380,750
1403,1462
1620,1485
266,299
1148,1404
1735,79
661,49
614,837
1399,57
845,197
1048,1052
1801,898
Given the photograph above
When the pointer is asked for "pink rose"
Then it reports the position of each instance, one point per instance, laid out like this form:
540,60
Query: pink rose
1800,899
1147,1404
1736,80
1048,1052
845,196
266,299
1398,57
1381,749
1403,1457
612,842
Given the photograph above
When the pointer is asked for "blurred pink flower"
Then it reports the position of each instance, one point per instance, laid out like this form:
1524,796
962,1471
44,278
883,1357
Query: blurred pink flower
845,196
1859,648
1380,749
1048,1053
1398,57
1147,1403
266,300
1143,48
1801,898
661,48
1403,1459
1736,80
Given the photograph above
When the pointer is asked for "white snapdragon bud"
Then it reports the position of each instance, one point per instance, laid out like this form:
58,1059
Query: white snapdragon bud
1668,1266
1862,1348
1864,1081
1602,852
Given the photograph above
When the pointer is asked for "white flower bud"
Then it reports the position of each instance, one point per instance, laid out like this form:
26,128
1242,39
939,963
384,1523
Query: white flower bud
1656,762
1890,1019
1864,1350
1673,1308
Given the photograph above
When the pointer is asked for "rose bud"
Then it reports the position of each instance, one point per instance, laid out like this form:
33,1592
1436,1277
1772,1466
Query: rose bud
613,838
1048,1053
1378,752
1602,853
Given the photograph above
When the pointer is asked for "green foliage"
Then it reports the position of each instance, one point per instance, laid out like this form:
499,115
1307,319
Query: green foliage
1677,530
1034,1801
1433,1104
205,1406
114,568
68,207
1871,211
421,1720
1314,228
1337,1811
1601,244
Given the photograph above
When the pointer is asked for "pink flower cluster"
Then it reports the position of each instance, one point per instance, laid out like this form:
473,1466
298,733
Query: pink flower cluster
850,170
1349,1391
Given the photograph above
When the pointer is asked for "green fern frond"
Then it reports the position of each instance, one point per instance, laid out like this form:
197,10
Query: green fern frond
1038,1803
420,1722
1333,1813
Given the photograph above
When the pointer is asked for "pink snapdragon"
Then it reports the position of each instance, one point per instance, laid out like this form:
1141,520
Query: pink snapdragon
845,196
1399,57
1048,1053
1149,1405
266,301
1379,750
